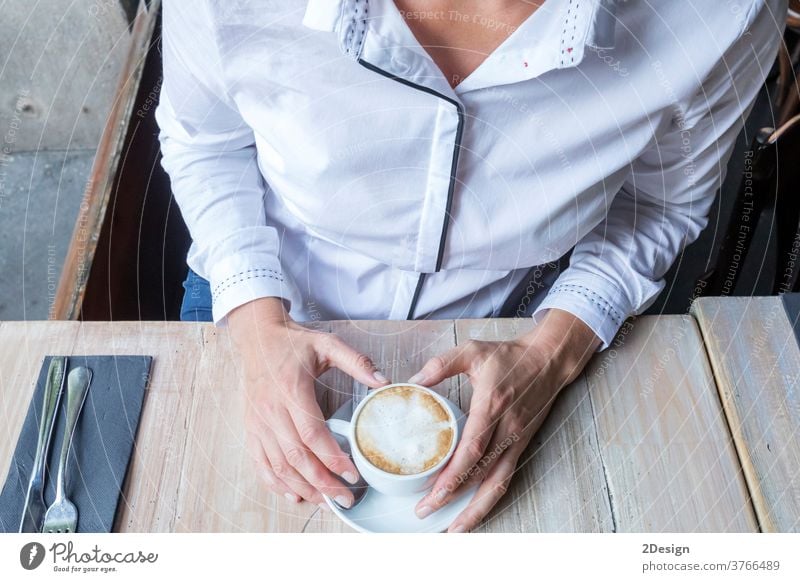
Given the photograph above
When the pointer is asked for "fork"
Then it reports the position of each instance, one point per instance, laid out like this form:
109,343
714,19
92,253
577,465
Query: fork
62,515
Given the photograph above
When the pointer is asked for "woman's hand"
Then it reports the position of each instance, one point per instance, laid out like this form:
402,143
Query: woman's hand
514,386
286,432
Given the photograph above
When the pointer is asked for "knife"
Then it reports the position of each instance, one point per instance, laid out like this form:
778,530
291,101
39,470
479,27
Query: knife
34,509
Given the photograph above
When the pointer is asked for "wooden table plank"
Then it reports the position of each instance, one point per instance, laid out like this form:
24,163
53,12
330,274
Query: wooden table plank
756,362
668,457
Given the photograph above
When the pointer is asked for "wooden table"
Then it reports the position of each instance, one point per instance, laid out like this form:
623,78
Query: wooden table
638,443
756,362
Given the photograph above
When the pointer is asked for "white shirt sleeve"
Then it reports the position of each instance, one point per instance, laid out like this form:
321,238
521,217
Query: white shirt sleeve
617,269
210,155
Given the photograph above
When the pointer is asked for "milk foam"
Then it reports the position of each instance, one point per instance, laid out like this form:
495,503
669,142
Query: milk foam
404,430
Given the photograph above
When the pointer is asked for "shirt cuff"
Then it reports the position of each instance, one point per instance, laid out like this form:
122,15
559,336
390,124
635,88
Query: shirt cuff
593,299
241,278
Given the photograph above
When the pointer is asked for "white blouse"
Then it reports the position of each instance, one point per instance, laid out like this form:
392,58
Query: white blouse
318,154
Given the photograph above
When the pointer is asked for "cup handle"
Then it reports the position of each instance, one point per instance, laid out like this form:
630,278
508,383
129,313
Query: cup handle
339,426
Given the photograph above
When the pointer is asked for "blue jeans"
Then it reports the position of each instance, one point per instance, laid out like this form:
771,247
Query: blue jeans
196,305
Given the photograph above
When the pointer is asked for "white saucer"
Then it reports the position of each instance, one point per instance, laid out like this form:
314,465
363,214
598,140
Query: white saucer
380,513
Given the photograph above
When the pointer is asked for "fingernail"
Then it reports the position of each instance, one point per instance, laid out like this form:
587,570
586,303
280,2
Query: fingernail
439,496
342,500
458,529
291,498
417,378
424,511
350,477
378,375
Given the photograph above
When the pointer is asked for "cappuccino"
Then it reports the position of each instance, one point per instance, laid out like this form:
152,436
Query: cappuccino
404,430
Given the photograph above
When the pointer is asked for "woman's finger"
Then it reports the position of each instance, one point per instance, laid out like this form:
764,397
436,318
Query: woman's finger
288,475
298,455
265,472
264,468
502,440
276,484
505,437
454,361
308,420
489,493
336,353
477,435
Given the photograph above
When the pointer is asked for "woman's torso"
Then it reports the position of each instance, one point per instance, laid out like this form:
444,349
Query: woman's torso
378,170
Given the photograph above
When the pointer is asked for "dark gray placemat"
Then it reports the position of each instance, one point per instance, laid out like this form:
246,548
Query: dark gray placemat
791,303
100,451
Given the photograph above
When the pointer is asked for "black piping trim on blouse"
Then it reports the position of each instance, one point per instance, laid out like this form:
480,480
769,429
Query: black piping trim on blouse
453,166
414,299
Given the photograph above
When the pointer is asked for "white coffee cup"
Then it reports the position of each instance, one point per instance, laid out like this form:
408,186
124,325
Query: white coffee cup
386,482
